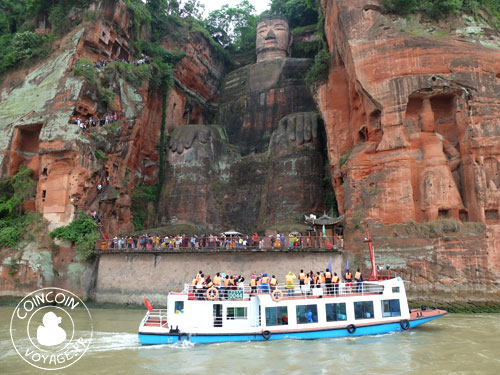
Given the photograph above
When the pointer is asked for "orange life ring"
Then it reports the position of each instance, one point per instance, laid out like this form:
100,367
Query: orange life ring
277,295
212,293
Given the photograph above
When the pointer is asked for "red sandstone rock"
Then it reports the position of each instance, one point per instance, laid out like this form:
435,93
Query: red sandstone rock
411,111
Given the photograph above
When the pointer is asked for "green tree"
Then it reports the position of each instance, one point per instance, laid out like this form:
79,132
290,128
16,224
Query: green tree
82,232
403,7
58,20
14,191
192,8
297,12
232,26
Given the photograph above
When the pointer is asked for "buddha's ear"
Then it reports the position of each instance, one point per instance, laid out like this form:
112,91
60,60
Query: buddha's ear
289,49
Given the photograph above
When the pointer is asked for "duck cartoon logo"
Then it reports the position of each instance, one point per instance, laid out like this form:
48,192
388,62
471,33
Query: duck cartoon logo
50,334
51,328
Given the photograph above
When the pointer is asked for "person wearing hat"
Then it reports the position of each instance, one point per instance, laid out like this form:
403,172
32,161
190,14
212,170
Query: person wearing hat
289,283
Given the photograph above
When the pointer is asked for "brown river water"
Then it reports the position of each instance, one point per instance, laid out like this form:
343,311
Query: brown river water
454,344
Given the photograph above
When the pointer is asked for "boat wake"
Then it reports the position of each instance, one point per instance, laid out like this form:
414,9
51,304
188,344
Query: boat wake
110,341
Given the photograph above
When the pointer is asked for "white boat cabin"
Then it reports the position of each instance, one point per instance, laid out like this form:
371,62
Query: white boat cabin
239,311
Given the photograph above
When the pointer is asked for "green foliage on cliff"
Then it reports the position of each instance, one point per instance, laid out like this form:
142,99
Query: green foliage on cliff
82,232
22,49
100,155
318,73
85,67
441,227
297,12
330,199
235,29
14,191
343,159
140,198
438,9
19,44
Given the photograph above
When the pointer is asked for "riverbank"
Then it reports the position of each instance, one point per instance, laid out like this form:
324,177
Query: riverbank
455,307
464,307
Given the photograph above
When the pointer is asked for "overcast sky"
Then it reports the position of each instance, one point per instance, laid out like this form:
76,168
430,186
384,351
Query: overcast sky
210,5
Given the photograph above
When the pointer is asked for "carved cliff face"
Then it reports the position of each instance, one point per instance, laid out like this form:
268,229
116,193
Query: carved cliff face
414,139
273,39
268,168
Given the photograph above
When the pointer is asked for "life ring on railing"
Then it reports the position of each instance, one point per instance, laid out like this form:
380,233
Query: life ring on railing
266,335
212,293
277,295
351,328
405,324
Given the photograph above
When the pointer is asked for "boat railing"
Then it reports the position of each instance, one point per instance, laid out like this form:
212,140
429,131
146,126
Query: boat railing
156,317
285,291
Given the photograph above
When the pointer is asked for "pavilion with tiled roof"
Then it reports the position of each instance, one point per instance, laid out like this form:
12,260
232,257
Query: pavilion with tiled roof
333,229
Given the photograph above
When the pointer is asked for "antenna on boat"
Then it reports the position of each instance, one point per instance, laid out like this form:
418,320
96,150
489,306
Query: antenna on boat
373,275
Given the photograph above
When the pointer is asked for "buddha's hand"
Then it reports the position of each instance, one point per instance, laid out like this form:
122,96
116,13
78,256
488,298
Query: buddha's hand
299,127
183,137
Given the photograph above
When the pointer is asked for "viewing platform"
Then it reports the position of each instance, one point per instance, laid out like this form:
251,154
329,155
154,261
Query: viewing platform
203,250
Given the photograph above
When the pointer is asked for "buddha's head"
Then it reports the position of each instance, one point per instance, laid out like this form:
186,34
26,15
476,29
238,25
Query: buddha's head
273,38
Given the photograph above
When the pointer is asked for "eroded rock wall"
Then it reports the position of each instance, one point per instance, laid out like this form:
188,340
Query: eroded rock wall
411,110
38,109
413,114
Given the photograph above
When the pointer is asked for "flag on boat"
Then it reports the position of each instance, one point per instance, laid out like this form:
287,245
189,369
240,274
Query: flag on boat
330,264
324,231
148,305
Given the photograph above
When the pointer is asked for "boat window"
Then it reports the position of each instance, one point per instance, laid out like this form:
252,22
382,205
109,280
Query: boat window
335,312
217,315
390,307
395,289
363,310
307,314
236,313
179,307
276,316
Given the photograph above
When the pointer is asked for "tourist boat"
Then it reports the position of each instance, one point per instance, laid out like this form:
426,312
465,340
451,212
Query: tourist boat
376,306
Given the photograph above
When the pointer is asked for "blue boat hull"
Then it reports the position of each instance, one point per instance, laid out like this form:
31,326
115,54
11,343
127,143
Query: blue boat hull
376,329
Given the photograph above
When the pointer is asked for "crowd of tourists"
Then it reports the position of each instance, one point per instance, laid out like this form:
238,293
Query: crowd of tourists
182,241
103,63
263,283
84,124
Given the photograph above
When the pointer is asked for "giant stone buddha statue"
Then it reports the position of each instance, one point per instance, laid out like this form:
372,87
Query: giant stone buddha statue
262,164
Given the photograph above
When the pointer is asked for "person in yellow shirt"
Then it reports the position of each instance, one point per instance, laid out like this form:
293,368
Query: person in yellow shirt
289,283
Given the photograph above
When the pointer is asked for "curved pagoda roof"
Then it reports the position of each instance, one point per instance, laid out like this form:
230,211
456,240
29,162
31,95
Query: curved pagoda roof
325,220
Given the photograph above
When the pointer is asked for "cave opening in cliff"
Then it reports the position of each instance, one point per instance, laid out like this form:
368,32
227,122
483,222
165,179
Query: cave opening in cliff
444,109
363,134
492,171
491,216
463,215
442,213
26,138
375,118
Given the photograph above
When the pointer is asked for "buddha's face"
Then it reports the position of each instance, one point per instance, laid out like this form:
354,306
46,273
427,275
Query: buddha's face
273,39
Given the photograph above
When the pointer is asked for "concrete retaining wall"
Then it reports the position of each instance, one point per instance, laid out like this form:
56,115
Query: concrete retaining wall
129,277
